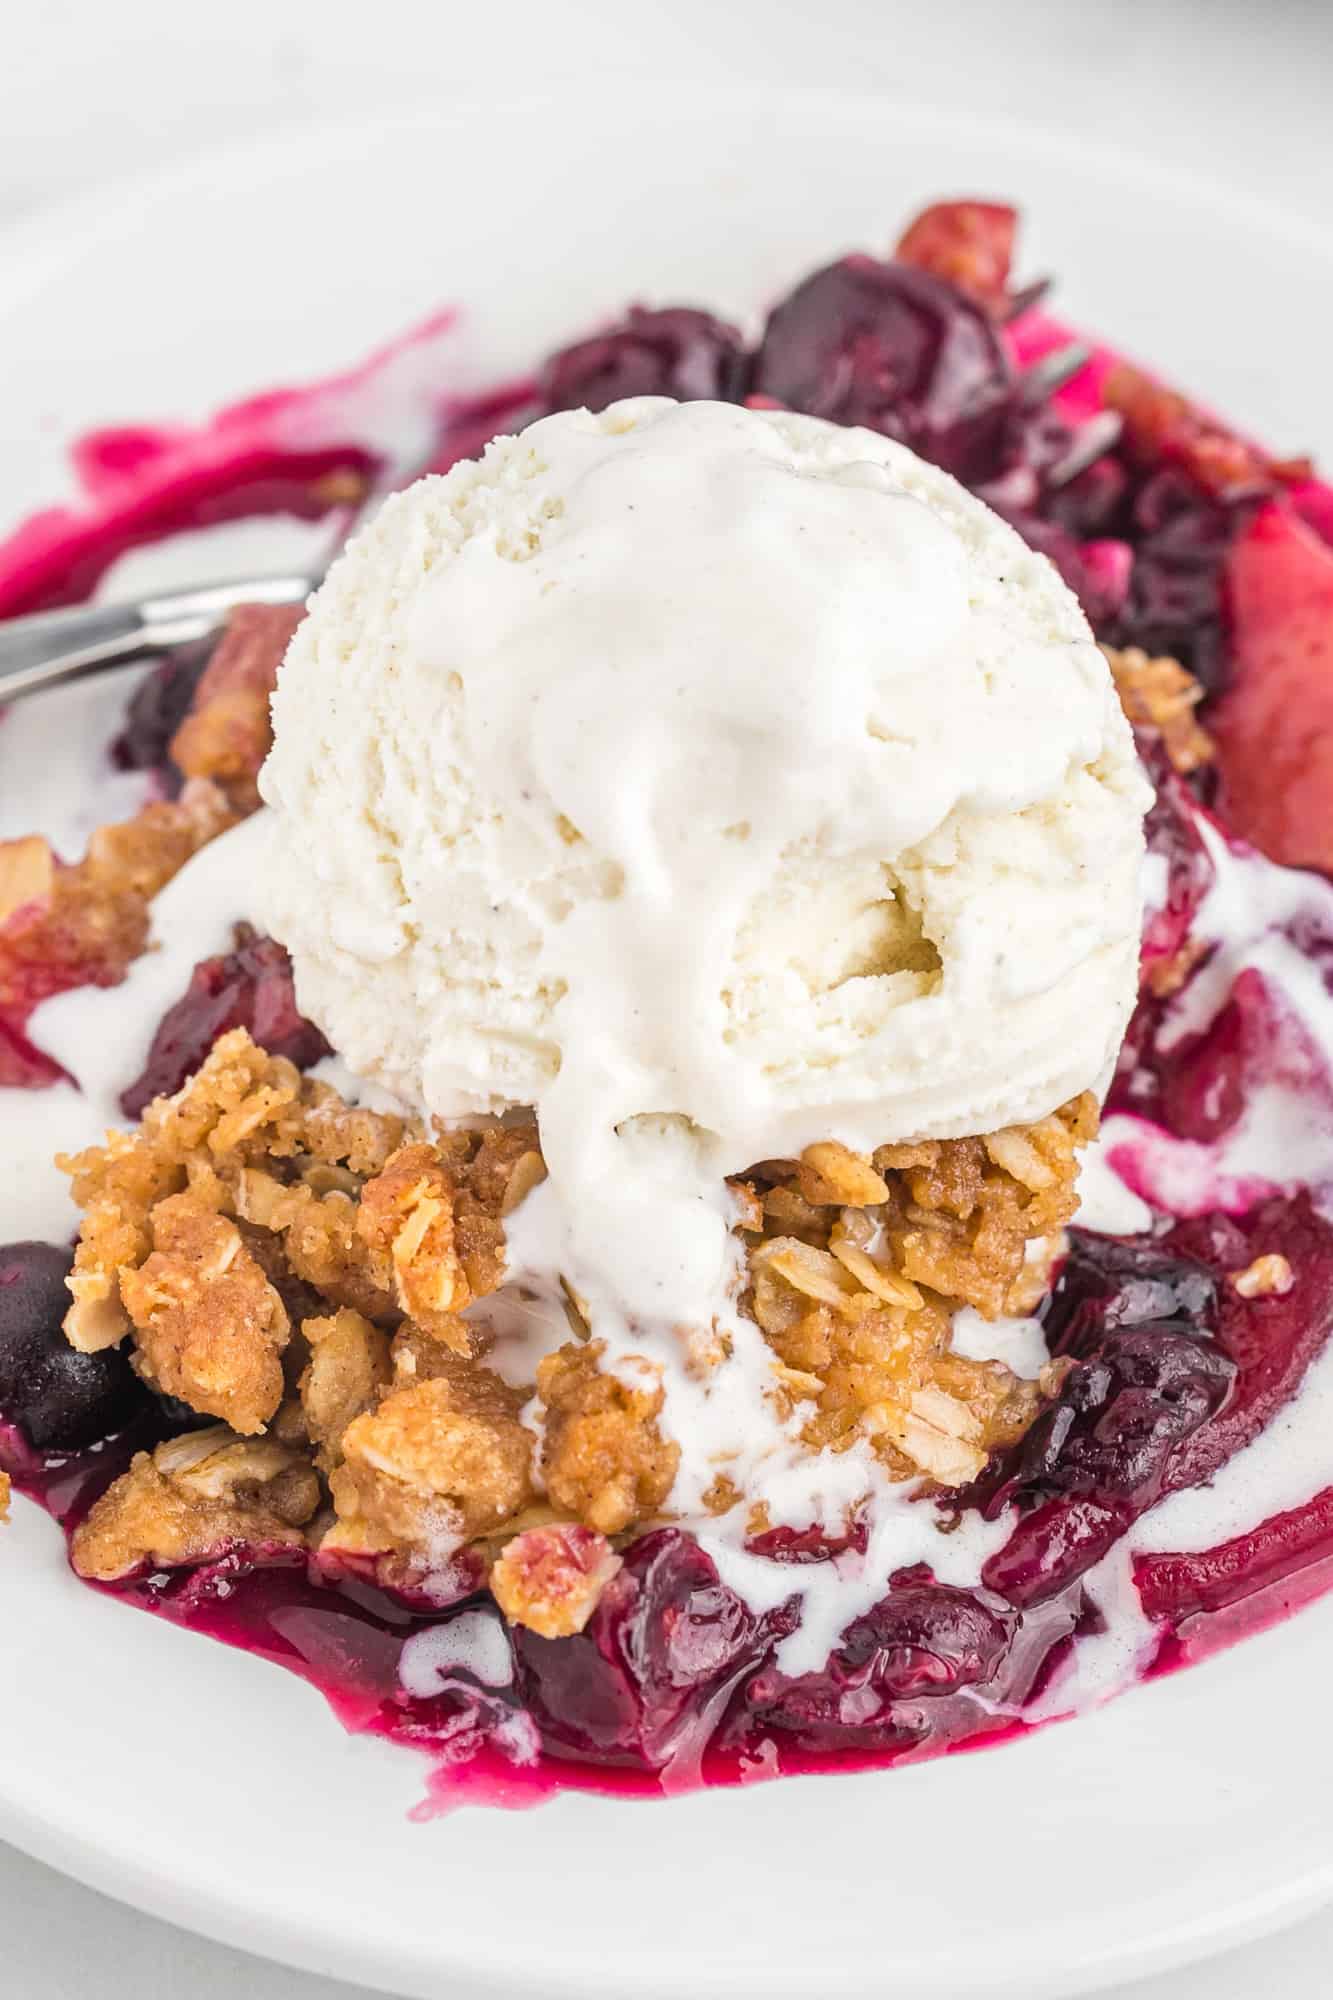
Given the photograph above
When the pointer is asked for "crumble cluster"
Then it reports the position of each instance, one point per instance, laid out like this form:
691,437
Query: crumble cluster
858,1267
313,1276
1159,697
64,925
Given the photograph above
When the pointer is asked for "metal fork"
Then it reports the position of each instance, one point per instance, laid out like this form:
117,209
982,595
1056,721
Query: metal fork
52,646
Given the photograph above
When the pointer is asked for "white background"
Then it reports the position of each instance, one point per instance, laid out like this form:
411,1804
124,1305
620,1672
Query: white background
90,90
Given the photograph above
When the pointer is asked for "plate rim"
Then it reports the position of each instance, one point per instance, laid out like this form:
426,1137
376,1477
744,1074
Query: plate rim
48,241
28,235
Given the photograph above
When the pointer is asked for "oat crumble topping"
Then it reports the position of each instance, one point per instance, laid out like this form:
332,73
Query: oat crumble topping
436,1463
315,1276
192,1500
350,1363
81,923
604,1460
1160,696
209,1327
857,1301
1270,1276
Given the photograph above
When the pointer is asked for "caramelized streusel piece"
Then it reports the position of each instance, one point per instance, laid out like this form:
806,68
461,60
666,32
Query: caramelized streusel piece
349,1365
862,1360
210,1327
437,1463
832,1174
1159,695
320,1240
550,1578
250,1137
82,924
1269,1276
247,1106
416,1356
961,1212
505,1167
27,873
857,1300
117,1186
407,1222
432,1221
192,1500
604,1459
228,732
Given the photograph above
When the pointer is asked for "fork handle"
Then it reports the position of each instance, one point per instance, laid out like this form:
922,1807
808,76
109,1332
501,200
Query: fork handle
52,646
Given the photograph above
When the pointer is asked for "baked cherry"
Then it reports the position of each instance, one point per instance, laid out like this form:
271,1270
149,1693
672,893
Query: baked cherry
899,351
156,711
250,987
666,1635
1136,1325
674,352
920,1643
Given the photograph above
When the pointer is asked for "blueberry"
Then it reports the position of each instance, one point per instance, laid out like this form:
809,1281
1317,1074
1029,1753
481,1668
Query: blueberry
62,1400
1148,1376
1110,1434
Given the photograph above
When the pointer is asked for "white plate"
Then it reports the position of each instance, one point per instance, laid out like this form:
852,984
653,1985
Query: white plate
219,1792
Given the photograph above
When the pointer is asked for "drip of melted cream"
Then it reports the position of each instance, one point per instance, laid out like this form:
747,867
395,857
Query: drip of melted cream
474,1643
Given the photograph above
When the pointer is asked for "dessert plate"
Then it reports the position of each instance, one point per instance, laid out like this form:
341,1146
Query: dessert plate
199,1783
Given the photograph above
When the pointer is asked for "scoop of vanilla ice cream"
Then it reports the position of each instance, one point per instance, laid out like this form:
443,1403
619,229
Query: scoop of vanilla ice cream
715,780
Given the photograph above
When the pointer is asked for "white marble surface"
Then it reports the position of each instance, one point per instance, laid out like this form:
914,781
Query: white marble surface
89,91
